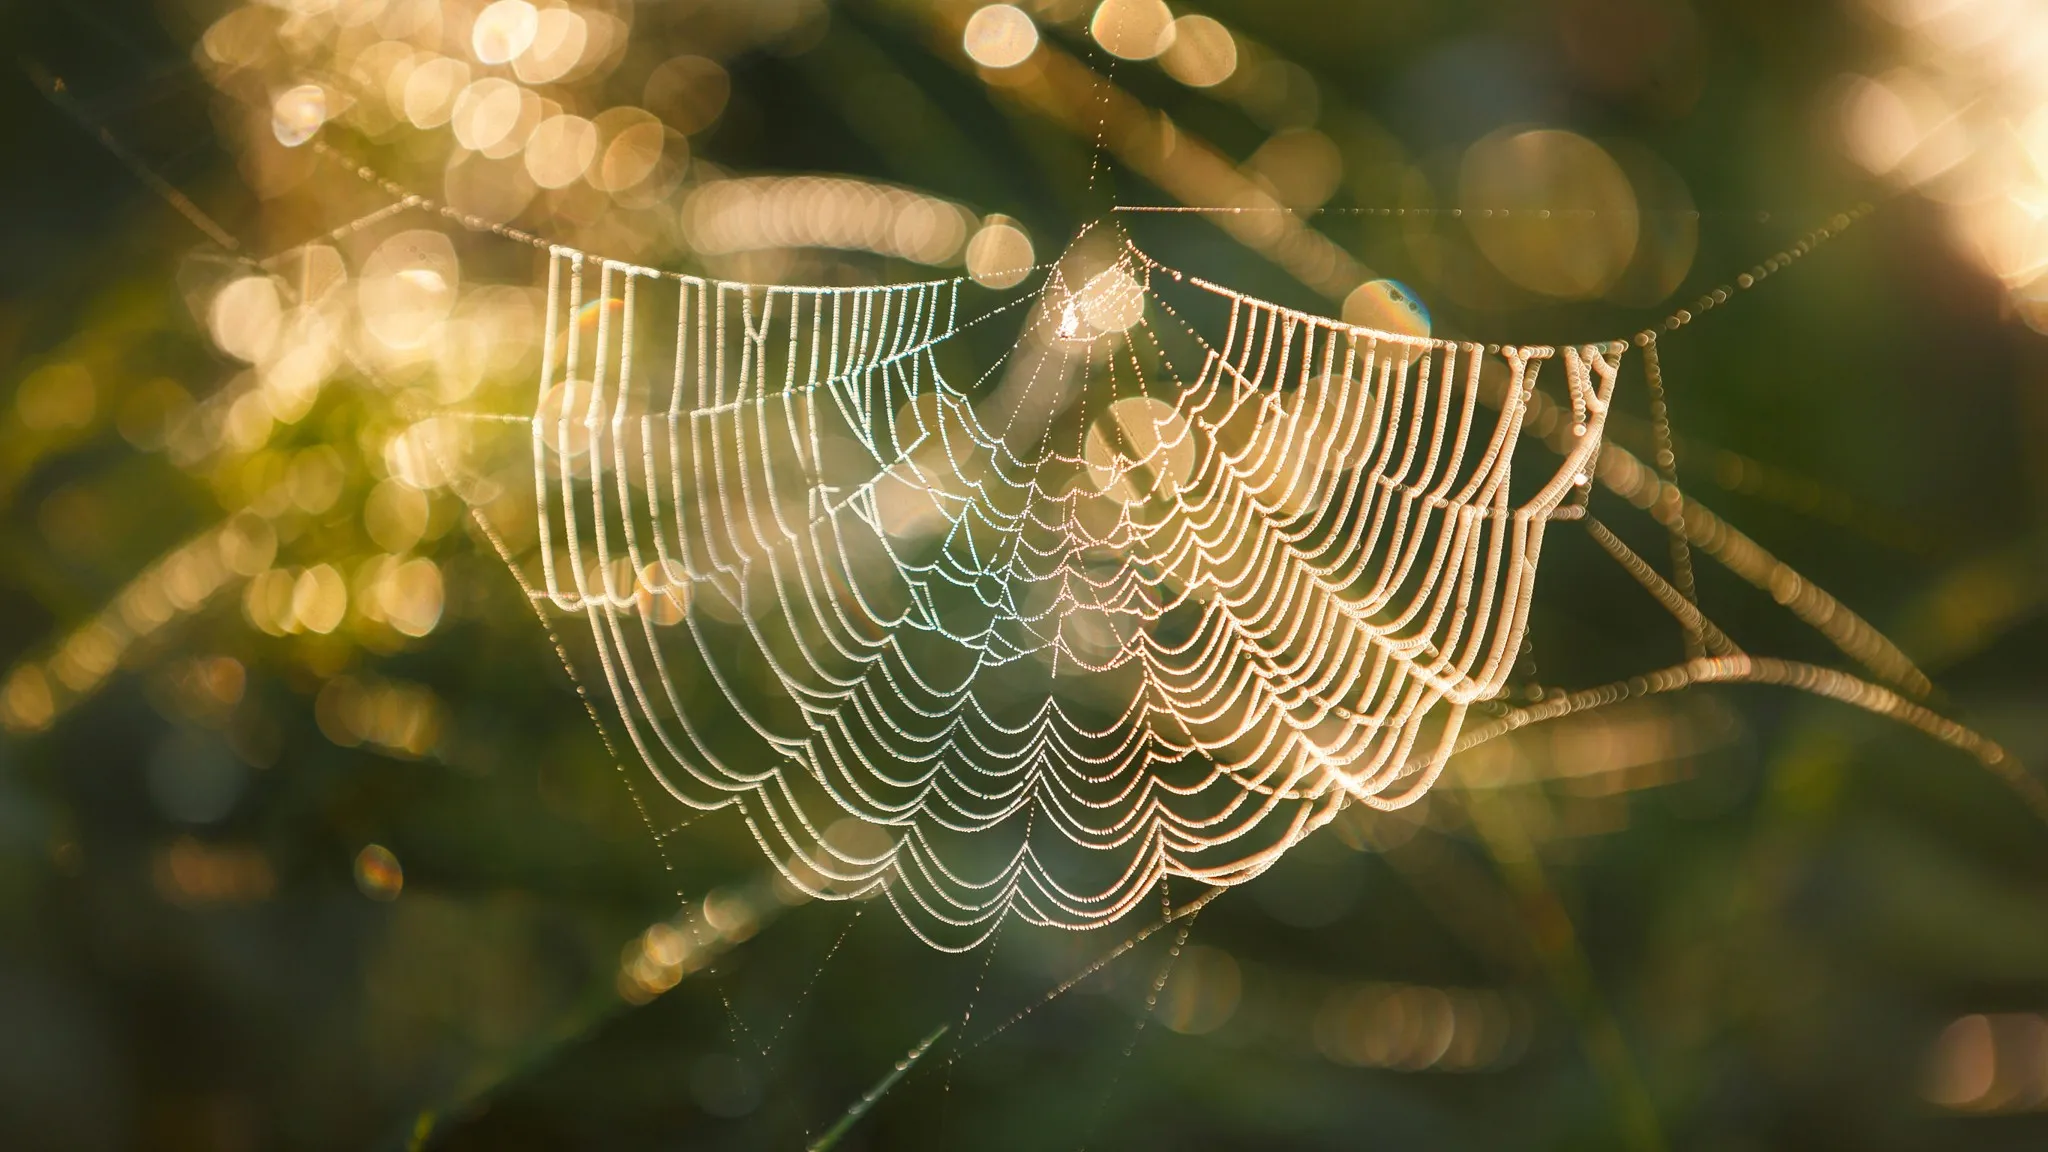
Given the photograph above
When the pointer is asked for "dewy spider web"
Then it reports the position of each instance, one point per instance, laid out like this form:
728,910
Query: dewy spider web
1049,675
1042,653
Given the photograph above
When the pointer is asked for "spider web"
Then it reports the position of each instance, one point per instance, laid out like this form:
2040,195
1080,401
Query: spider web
1261,571
1198,571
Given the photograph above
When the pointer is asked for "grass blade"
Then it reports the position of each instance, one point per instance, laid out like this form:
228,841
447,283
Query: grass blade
860,1107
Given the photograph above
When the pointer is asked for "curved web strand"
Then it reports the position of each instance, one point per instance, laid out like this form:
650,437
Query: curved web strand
1212,569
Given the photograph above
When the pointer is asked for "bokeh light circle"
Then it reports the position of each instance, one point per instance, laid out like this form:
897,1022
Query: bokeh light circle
1112,300
1133,29
245,316
1387,306
378,874
1203,54
1000,254
503,31
297,114
1000,36
1550,209
560,150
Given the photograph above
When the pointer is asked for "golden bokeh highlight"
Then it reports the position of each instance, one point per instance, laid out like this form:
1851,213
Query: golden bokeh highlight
421,453
1898,125
561,38
395,718
407,594
1990,1064
999,36
504,31
486,114
1133,29
1963,120
26,702
395,515
1276,93
378,874
245,317
731,914
1301,166
384,300
560,415
1000,254
1112,300
319,599
1551,210
667,951
431,89
190,873
768,213
1203,53
407,288
631,144
560,150
496,191
267,602
297,114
